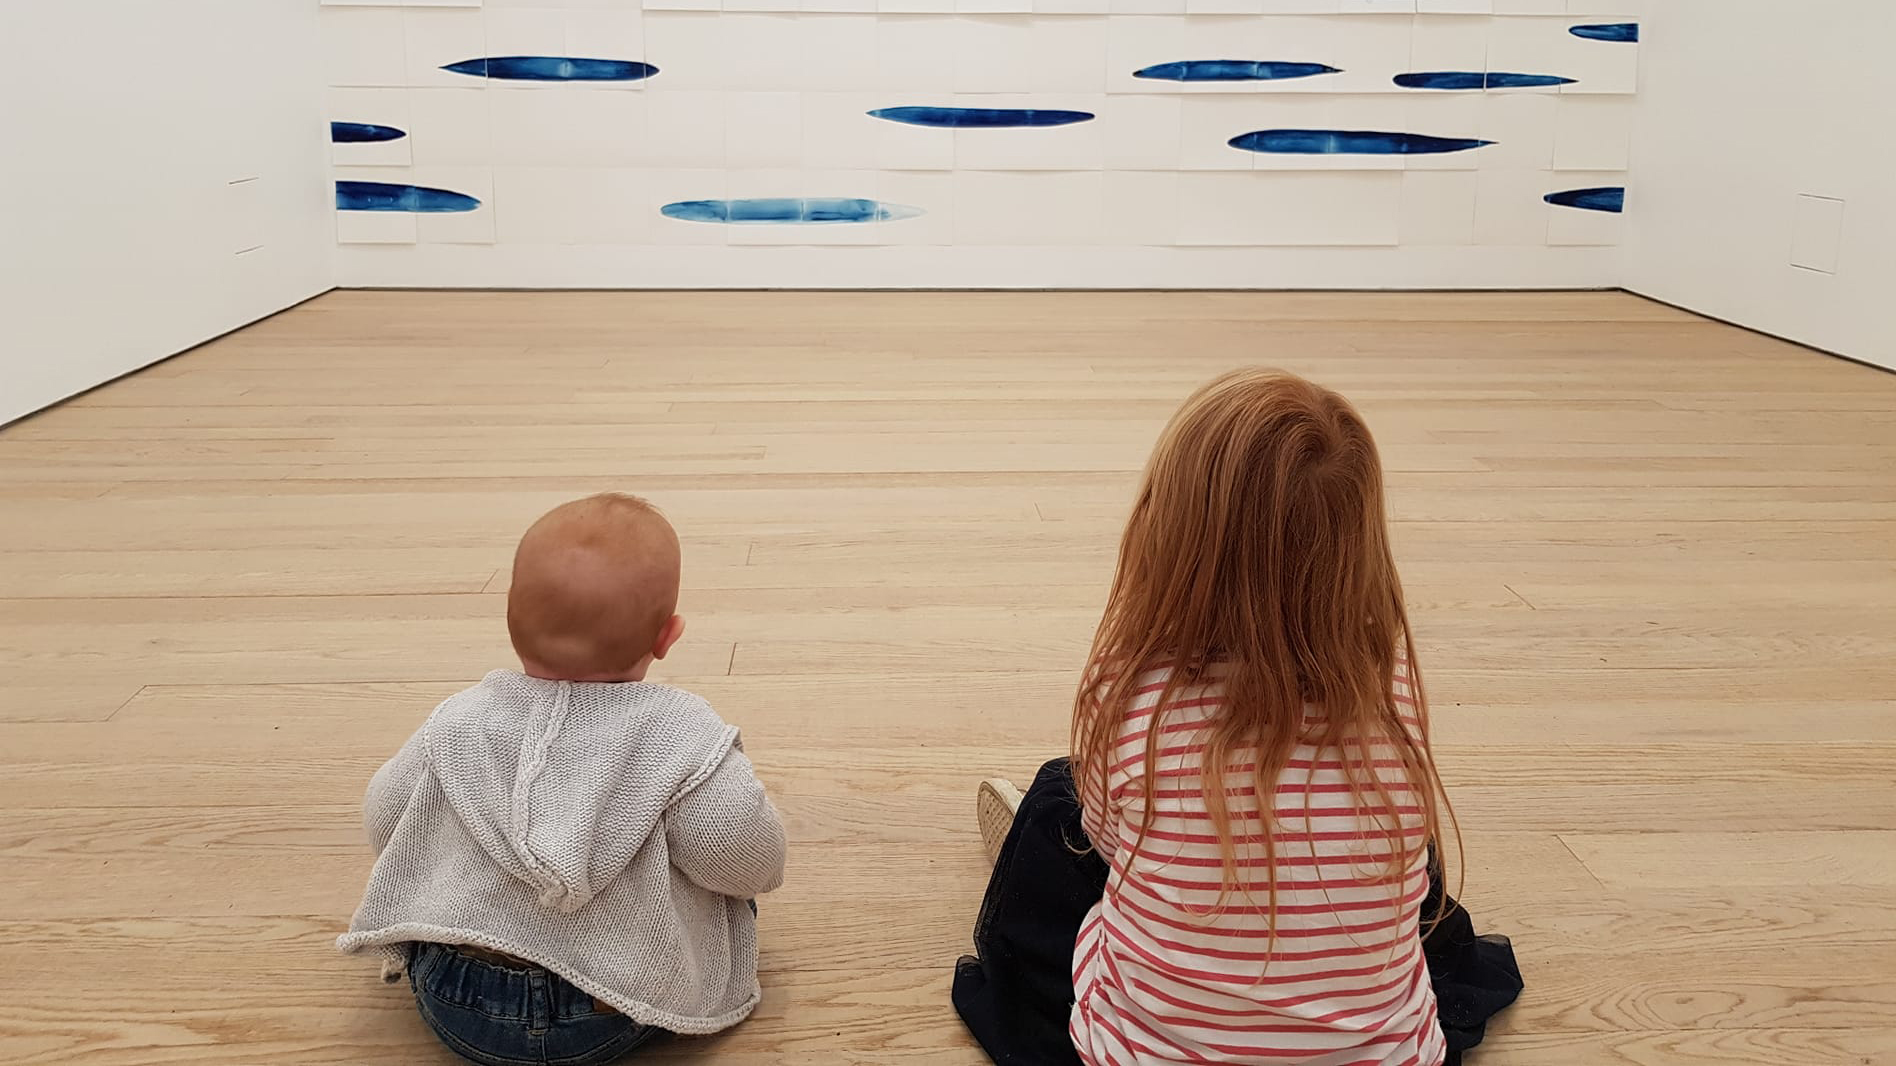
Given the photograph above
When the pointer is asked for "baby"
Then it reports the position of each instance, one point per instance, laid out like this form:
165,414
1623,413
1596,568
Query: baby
567,853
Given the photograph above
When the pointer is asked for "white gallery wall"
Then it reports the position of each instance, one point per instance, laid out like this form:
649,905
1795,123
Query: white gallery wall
730,143
1766,155
163,182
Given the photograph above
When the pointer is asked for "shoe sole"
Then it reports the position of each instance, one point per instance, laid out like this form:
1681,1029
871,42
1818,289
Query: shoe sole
995,804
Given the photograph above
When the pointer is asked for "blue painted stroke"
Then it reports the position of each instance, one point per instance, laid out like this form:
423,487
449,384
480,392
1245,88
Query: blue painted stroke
363,132
789,210
1351,142
1232,70
553,68
1475,79
382,196
980,117
1610,198
1624,32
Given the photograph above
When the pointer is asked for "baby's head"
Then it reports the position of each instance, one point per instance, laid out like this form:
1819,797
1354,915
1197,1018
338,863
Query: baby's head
595,591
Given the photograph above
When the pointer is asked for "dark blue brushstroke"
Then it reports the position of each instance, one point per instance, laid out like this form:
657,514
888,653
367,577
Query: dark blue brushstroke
1475,79
363,133
1625,32
553,68
382,196
1610,198
789,210
980,117
1351,142
1232,70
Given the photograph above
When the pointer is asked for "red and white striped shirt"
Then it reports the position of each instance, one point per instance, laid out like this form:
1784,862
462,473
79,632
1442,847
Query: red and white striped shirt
1163,975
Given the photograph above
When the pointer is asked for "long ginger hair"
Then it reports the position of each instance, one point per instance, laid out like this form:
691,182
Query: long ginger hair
1258,554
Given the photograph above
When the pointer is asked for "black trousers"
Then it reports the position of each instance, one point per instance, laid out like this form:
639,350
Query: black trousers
1016,992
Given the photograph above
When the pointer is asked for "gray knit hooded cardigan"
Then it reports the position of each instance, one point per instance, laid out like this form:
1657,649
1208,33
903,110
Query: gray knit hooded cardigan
611,833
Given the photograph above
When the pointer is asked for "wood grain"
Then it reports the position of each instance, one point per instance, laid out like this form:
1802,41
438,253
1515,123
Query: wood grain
1651,560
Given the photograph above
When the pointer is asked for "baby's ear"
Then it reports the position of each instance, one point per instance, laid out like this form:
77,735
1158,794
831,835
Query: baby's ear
668,635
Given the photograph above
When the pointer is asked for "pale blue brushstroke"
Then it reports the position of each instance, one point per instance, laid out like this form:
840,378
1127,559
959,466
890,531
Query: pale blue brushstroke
363,133
553,68
383,196
789,210
1611,198
1232,70
980,117
1351,142
1475,79
1620,32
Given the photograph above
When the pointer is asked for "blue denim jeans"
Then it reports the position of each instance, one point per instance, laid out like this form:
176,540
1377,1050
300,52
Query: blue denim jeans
515,1015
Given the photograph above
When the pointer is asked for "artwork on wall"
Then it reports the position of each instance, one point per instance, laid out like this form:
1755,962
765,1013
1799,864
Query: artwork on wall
1618,32
386,196
1232,70
1467,80
1352,142
553,68
1610,199
813,211
1080,125
981,117
363,133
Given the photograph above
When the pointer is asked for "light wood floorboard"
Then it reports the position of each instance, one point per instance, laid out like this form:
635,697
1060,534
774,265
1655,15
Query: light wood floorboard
1652,561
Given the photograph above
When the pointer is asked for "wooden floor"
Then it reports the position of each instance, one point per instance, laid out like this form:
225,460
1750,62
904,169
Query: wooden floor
1652,561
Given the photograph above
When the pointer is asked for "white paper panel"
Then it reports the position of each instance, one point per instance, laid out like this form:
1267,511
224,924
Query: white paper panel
1573,227
911,55
364,46
1275,208
375,227
576,129
436,37
934,192
1593,133
1510,208
838,132
1079,146
658,187
379,107
686,129
1459,115
1140,207
571,205
460,227
1438,207
1142,132
453,127
1522,127
688,47
1027,209
763,131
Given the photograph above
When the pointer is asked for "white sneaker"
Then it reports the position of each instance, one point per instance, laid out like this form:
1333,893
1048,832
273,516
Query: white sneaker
994,806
